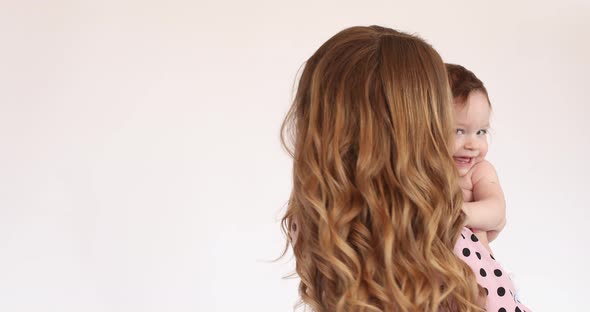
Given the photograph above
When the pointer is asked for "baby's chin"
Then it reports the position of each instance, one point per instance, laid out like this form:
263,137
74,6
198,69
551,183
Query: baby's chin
463,171
463,164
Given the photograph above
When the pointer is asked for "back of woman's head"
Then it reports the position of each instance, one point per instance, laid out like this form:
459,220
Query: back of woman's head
374,191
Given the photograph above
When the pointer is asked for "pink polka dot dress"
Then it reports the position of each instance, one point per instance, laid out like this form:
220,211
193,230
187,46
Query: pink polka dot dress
489,274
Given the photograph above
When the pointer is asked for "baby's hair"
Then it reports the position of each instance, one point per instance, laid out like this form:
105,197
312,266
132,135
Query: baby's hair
463,82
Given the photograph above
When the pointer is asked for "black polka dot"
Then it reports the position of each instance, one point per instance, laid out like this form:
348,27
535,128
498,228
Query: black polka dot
466,252
501,291
497,272
463,236
487,291
478,255
492,256
502,310
517,309
482,272
474,238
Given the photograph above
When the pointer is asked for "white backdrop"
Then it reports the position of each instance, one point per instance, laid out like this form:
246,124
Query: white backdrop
140,165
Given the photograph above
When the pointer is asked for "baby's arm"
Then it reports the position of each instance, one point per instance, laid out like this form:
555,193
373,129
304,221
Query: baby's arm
487,211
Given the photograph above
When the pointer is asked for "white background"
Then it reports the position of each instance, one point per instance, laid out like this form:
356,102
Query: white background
140,164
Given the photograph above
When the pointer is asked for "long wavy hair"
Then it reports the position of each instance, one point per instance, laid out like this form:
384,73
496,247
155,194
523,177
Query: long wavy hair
374,197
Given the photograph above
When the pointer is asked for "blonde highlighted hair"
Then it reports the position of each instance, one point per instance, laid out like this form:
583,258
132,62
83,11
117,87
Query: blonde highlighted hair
374,197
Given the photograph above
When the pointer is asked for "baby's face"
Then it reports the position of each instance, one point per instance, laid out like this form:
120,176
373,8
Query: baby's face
471,127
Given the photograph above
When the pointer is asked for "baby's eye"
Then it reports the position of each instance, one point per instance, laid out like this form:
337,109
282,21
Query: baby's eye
482,132
459,131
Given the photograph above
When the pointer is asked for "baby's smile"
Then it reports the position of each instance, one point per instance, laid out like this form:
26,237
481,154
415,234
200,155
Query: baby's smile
463,160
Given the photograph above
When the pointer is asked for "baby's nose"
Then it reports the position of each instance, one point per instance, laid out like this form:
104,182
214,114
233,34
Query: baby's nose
471,144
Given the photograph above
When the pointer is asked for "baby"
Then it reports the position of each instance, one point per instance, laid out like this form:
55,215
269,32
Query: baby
484,203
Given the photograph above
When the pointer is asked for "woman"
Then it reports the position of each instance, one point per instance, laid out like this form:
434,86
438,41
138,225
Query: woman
375,210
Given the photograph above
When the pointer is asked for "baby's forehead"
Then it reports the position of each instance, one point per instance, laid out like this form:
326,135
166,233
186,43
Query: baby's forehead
472,110
472,116
473,96
478,103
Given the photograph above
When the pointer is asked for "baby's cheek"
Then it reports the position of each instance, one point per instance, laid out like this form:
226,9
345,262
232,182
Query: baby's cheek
456,146
484,151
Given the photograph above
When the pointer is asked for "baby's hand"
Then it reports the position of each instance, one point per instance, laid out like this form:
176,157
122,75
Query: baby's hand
467,216
466,187
467,195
